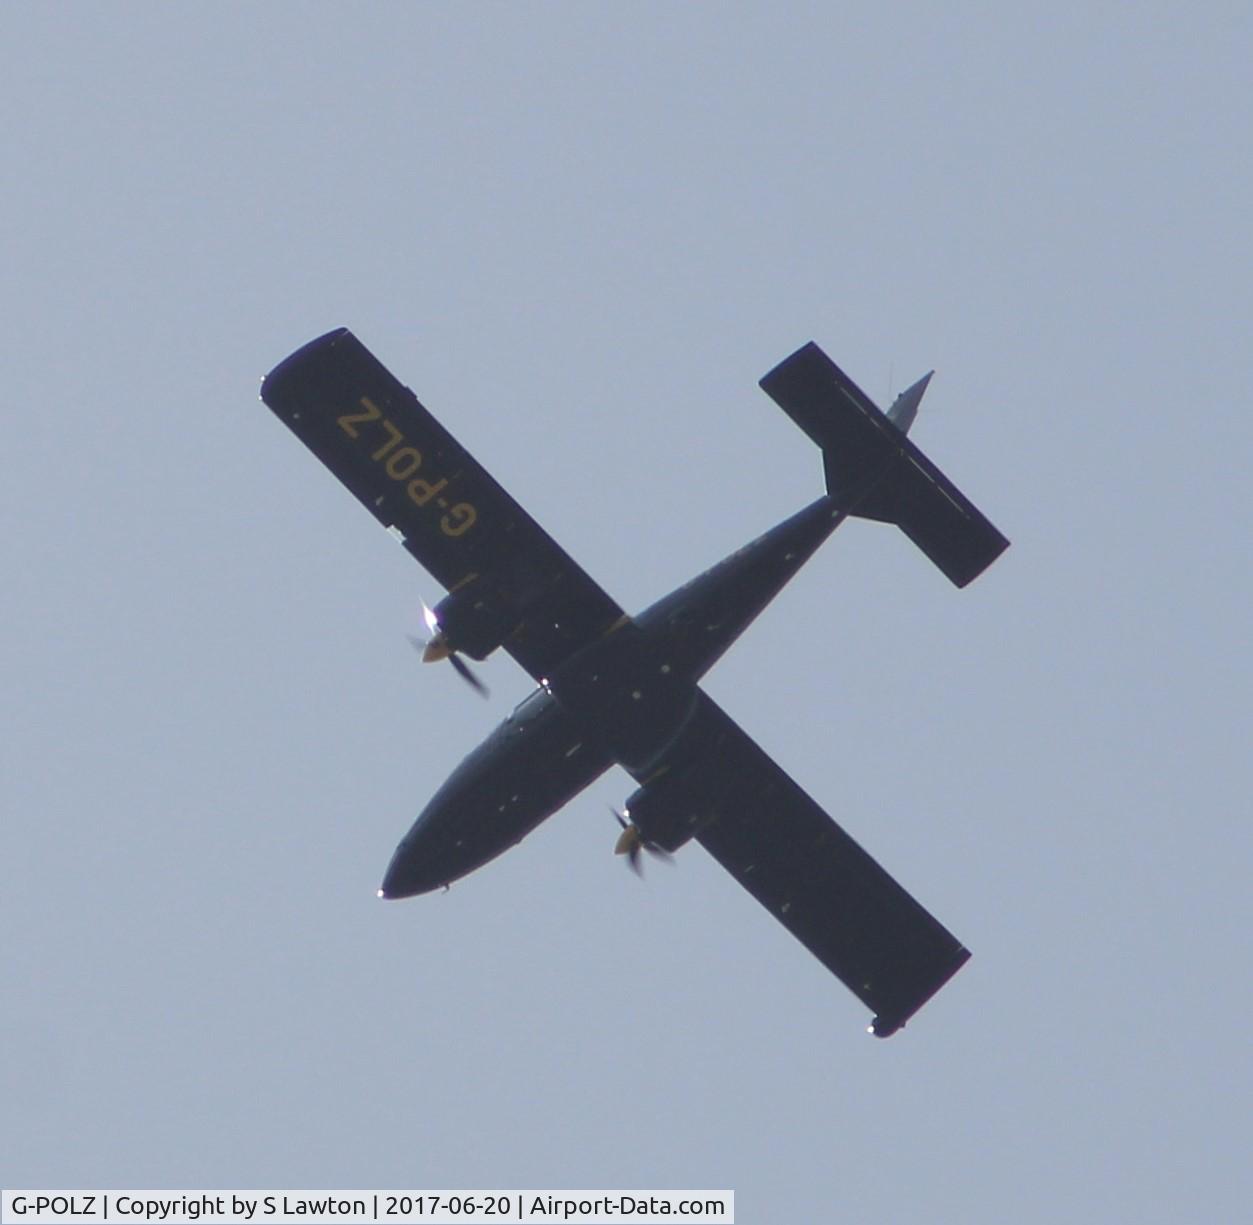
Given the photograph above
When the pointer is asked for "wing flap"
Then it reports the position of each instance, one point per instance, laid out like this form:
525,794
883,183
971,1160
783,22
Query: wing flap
412,475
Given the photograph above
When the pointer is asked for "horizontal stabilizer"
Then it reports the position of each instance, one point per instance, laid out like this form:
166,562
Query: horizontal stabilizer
936,516
875,472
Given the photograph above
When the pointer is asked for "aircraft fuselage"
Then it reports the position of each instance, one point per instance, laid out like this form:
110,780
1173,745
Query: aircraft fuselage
623,699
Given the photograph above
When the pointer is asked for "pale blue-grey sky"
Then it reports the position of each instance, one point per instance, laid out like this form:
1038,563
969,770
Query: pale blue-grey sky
581,233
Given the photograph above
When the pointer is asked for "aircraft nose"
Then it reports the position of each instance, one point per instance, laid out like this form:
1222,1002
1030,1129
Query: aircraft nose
391,889
416,867
404,878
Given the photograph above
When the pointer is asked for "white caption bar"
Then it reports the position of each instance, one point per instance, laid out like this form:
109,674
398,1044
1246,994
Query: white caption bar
366,1207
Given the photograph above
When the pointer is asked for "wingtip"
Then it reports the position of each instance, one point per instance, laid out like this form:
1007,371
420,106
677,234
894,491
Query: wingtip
289,369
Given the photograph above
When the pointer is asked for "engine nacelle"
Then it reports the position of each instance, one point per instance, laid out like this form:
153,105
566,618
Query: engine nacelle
667,813
476,618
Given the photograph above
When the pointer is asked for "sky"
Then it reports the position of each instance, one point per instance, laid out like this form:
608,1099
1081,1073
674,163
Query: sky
581,233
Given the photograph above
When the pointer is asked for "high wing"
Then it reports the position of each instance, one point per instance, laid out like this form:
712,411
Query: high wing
793,858
412,475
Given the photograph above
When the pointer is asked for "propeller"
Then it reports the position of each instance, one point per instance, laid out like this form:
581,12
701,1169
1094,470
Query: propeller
631,842
438,647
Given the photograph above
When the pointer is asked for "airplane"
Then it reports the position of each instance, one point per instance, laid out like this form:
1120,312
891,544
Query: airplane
616,689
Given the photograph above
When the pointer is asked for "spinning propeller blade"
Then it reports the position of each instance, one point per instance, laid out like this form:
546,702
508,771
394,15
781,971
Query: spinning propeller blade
437,647
463,670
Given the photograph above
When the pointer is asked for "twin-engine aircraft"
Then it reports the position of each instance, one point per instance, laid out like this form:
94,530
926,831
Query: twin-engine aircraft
619,689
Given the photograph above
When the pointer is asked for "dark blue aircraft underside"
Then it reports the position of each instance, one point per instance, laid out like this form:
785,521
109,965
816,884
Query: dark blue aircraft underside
616,689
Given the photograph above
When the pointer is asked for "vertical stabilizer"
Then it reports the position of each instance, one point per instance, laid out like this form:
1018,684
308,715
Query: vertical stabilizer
905,407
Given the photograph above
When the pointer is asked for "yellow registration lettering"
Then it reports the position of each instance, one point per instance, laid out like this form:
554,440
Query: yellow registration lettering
393,437
349,421
421,492
458,520
402,464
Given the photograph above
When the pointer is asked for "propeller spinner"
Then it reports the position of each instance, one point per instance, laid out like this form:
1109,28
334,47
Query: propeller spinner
632,841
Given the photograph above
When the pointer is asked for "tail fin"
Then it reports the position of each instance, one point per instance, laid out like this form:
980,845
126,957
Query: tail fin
874,471
905,407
